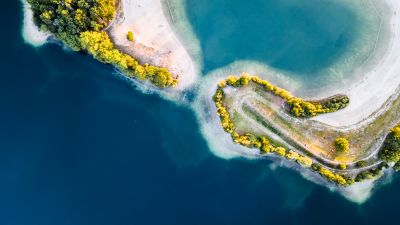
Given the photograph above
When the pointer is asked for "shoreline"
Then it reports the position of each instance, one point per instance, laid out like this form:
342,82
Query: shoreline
155,42
30,32
378,88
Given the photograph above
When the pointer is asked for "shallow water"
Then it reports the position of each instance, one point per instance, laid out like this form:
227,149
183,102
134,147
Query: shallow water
310,41
79,146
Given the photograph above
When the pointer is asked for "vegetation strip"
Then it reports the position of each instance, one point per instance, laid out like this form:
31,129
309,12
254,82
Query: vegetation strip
301,108
298,107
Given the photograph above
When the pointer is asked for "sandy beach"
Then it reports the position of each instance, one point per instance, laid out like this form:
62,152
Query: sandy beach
156,42
370,96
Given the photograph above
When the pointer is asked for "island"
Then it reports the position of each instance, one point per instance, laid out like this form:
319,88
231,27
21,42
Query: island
343,139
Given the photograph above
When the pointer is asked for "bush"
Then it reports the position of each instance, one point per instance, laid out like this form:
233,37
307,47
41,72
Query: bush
265,145
361,164
305,161
130,36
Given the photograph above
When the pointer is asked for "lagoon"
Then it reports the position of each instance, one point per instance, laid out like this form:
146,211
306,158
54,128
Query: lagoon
312,41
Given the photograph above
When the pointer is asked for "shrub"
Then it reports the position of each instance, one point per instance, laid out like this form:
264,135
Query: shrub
396,132
305,161
265,145
130,36
292,155
279,151
361,164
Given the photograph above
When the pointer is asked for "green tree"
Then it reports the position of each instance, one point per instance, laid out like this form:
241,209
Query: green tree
342,145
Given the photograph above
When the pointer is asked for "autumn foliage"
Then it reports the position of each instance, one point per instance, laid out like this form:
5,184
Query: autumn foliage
262,142
80,24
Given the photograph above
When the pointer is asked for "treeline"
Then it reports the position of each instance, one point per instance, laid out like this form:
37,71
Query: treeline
100,46
301,108
297,106
262,142
332,176
390,151
371,173
79,24
66,19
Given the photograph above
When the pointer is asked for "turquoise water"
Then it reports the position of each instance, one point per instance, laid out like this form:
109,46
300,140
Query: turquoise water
80,147
302,38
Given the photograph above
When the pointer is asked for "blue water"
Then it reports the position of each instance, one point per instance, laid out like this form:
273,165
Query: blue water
302,37
80,147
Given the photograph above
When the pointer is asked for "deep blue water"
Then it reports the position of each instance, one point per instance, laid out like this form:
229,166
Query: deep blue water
80,147
303,37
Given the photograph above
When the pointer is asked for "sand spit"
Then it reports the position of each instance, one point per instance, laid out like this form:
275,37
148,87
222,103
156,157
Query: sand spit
369,96
156,42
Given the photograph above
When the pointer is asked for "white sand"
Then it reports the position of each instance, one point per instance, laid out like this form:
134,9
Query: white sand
30,32
156,42
369,96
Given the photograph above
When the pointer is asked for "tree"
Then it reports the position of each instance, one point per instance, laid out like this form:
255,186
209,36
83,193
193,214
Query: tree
342,145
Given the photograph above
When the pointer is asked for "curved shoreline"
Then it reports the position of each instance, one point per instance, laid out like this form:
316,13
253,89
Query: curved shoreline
156,42
372,96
